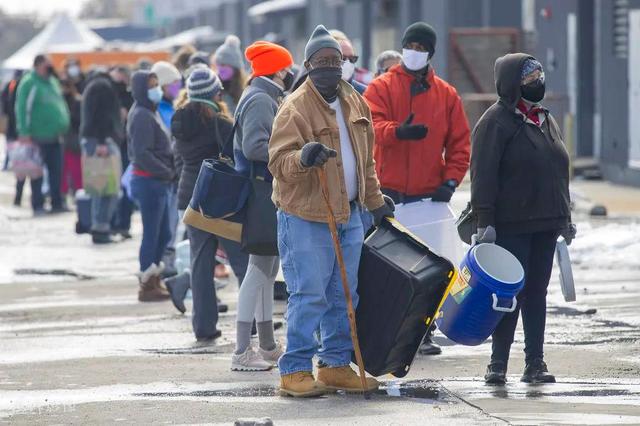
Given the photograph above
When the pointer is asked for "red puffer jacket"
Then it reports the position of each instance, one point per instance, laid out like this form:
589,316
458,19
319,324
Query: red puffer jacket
417,167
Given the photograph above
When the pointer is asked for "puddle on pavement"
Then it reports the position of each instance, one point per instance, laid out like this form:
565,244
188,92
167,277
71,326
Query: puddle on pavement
185,351
421,391
60,273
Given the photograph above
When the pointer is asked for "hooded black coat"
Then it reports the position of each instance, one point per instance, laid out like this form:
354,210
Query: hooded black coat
519,171
149,144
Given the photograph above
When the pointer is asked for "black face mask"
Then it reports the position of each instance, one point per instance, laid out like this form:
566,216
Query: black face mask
533,92
326,81
288,81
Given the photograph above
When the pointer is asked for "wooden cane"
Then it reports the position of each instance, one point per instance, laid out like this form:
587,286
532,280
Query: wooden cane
345,284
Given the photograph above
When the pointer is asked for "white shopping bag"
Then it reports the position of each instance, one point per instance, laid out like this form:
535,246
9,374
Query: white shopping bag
435,224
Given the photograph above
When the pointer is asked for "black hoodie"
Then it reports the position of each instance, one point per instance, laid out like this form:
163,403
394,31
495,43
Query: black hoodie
149,145
519,171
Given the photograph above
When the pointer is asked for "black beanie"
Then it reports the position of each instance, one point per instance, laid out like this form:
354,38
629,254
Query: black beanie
422,33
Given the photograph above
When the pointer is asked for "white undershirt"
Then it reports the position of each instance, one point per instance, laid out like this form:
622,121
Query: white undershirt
349,164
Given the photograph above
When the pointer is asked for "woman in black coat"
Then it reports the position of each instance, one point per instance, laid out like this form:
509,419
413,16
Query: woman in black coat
200,127
520,194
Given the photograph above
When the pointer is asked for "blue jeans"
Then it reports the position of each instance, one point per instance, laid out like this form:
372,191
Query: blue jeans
317,300
152,196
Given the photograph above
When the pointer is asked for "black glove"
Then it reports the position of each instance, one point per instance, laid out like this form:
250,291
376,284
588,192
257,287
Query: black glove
569,233
444,192
386,210
314,154
411,131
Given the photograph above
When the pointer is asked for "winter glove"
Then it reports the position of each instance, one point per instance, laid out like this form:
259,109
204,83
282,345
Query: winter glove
314,154
484,236
386,210
569,233
410,131
444,192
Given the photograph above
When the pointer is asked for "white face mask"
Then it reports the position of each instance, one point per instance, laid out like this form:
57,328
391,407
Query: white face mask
73,71
414,60
347,70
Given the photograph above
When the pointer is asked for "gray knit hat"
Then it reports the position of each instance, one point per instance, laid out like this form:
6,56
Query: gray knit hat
203,84
229,53
319,40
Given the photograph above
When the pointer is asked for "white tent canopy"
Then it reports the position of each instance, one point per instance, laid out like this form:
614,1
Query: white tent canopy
62,34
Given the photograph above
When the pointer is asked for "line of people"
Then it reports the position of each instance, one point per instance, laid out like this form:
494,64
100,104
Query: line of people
400,138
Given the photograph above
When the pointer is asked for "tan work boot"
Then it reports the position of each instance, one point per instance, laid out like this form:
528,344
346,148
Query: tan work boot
344,378
151,289
301,385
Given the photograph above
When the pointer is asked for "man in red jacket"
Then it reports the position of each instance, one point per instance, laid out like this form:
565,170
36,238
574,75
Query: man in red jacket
422,133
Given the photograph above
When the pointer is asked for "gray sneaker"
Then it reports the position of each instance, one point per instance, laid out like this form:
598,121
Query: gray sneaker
250,360
273,355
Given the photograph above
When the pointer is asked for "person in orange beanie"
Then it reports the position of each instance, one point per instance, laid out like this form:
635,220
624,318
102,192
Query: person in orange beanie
271,77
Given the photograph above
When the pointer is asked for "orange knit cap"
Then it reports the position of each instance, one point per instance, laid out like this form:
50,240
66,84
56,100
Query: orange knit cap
267,58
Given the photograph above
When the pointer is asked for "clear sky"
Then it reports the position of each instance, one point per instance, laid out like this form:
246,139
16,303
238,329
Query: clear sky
42,8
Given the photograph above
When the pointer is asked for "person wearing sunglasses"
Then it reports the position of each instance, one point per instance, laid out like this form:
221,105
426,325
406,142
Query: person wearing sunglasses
520,194
386,60
350,59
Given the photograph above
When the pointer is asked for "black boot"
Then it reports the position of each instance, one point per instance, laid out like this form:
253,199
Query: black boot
537,372
496,374
428,347
178,286
101,237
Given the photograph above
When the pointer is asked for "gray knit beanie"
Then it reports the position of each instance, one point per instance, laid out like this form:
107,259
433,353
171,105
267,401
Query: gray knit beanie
319,40
203,84
229,53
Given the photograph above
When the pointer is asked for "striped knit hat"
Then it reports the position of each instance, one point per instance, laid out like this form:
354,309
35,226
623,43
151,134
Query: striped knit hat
203,84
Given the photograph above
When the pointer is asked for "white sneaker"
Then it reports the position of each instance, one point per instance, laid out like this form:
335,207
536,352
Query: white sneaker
273,355
250,360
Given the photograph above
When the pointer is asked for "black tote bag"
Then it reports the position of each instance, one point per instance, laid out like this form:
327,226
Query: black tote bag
260,229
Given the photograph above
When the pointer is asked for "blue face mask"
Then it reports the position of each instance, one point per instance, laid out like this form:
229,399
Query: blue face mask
155,94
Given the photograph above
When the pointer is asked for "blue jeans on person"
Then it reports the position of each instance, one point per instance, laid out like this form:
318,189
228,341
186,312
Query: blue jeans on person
51,152
102,208
152,196
316,296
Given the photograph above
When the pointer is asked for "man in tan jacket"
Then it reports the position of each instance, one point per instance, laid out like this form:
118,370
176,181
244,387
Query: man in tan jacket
324,123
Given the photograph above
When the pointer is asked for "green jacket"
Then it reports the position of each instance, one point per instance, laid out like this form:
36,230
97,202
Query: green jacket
41,111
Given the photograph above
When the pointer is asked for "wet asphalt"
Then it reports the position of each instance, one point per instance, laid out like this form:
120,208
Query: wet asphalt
76,347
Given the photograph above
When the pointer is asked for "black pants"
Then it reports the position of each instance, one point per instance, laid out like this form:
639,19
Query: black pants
535,252
52,157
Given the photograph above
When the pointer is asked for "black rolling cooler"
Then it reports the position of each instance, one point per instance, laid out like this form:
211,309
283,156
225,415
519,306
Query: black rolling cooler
401,285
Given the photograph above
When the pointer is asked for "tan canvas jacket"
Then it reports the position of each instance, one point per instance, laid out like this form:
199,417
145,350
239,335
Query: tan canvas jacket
306,117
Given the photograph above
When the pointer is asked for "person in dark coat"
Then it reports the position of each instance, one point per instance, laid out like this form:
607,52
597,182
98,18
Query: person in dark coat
8,109
520,194
100,131
201,127
153,173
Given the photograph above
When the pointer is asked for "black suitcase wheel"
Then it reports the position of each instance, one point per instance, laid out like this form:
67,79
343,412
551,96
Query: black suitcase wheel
401,373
